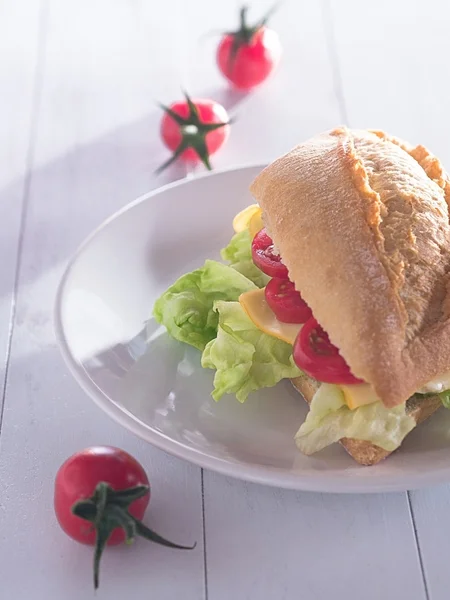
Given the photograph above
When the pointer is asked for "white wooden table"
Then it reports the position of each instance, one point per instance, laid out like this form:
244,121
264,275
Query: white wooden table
79,139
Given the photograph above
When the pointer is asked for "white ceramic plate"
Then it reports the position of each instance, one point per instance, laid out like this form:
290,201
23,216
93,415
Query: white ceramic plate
155,386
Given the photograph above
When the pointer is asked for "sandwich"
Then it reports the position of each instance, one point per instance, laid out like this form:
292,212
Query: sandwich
337,278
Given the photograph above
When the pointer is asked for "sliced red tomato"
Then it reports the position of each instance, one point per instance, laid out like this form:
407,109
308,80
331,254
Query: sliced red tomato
318,357
265,258
286,302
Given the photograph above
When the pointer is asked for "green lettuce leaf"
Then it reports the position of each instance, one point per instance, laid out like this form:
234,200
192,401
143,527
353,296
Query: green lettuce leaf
239,254
186,308
329,420
245,358
445,398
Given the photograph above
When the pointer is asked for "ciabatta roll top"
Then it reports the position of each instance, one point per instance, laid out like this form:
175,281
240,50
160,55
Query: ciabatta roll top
361,221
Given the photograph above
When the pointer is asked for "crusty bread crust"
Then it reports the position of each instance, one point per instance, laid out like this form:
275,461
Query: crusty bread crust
361,221
366,453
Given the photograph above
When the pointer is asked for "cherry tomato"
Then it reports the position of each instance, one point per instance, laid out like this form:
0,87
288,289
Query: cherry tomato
77,479
101,494
194,130
247,57
318,357
286,303
264,257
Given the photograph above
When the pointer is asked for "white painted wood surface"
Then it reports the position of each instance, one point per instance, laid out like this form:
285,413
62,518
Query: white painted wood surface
19,89
79,139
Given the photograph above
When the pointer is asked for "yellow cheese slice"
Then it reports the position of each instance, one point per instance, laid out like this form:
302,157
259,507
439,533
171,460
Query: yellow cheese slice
359,394
255,224
255,305
241,220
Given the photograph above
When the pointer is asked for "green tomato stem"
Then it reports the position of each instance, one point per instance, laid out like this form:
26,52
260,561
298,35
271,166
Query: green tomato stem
108,509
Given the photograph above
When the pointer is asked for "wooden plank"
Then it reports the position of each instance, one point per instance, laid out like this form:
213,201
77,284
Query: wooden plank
19,85
263,543
393,61
430,509
96,150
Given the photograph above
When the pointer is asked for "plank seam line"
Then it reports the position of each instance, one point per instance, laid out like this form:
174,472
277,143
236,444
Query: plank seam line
327,16
205,565
29,160
419,549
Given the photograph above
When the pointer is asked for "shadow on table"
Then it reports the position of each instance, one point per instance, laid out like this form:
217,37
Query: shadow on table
72,194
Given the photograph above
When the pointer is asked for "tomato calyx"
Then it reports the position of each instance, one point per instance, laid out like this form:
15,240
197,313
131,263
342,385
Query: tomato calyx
107,509
193,133
244,35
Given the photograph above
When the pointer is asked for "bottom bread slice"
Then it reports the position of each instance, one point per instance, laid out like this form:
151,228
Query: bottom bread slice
366,453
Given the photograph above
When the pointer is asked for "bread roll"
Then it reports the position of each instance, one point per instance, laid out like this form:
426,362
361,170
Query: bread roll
361,221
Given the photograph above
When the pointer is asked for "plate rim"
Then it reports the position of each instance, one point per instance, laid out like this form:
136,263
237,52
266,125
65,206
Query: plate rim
315,481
